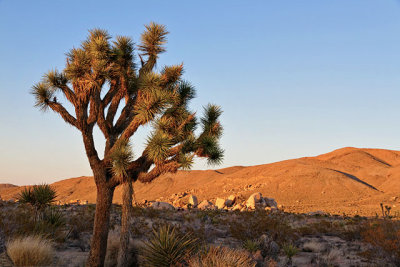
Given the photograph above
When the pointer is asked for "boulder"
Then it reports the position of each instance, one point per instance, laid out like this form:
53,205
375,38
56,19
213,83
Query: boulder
206,205
270,202
162,206
253,199
238,207
193,201
220,203
230,201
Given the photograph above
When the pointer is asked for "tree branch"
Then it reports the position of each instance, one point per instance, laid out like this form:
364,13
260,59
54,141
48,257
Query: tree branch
171,166
57,107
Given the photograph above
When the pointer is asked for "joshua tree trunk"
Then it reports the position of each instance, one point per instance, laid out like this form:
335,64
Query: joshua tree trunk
101,224
123,255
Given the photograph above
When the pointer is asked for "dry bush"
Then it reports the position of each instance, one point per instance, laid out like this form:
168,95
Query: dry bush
314,246
113,243
251,225
30,251
222,257
384,234
347,229
112,249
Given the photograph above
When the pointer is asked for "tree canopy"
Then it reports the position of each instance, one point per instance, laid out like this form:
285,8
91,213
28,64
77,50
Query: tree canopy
109,86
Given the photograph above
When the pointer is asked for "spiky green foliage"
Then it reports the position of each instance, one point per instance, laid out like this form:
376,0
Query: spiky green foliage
153,39
39,196
121,158
167,248
158,145
42,94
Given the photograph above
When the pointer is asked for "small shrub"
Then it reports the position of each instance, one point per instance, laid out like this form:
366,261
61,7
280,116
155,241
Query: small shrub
251,225
384,234
251,245
39,196
167,248
30,251
81,221
290,250
314,246
222,257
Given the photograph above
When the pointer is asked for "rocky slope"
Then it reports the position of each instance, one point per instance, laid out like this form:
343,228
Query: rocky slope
348,180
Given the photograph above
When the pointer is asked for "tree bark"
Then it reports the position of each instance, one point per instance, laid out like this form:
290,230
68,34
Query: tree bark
98,247
123,254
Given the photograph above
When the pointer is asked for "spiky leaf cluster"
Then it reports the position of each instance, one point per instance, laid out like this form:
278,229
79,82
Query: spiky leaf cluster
167,248
39,196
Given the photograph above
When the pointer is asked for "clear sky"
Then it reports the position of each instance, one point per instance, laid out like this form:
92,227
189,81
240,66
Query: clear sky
294,78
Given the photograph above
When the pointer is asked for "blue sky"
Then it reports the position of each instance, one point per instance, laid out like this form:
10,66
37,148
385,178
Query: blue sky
294,78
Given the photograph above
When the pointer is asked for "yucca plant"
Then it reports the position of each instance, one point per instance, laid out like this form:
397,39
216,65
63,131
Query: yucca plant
108,88
39,197
290,251
167,248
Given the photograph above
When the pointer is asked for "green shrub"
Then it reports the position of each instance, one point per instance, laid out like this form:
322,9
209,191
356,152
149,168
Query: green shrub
290,250
39,196
167,248
251,245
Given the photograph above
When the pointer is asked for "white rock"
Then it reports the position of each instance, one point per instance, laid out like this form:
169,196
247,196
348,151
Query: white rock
162,206
237,207
253,199
220,203
193,201
206,205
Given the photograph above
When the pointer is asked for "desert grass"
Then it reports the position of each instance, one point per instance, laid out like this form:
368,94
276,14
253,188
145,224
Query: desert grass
222,257
30,251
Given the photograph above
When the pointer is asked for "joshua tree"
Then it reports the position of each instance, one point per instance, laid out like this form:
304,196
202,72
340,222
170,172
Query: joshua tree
106,88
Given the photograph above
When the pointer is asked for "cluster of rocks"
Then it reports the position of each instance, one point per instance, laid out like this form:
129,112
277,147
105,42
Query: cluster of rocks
73,202
232,203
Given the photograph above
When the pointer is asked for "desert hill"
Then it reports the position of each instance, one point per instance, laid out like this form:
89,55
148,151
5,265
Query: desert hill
348,180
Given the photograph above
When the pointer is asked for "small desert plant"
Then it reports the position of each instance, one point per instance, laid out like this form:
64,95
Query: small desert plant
314,246
386,211
290,250
167,248
250,225
38,196
222,257
30,251
384,234
330,259
251,245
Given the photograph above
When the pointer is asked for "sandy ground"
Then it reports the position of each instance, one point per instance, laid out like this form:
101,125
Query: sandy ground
347,180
